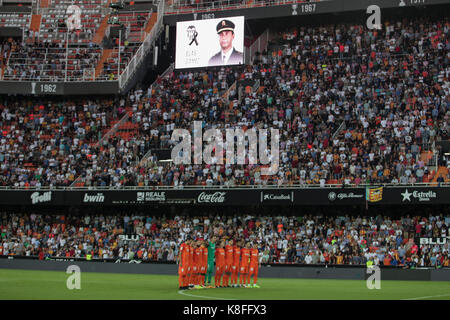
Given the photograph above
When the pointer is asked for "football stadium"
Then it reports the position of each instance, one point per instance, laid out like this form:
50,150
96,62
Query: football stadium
224,150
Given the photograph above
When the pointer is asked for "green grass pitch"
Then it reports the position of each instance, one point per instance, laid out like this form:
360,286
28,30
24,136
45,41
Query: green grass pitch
28,284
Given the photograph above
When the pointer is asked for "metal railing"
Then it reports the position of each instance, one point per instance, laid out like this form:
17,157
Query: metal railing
163,75
114,128
259,45
168,70
239,187
127,72
17,1
147,21
81,78
256,85
125,19
106,136
226,95
341,126
41,66
143,50
186,6
108,31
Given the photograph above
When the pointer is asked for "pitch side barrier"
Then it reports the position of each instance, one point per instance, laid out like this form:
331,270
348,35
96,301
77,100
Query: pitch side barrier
428,194
267,271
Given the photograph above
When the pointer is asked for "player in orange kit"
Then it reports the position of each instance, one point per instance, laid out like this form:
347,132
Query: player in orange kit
196,264
191,263
204,263
245,261
182,265
220,263
254,263
235,264
228,263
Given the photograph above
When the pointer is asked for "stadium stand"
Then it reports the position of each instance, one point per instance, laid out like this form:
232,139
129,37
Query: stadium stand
49,43
352,108
138,25
301,239
51,139
6,47
20,20
111,64
53,24
45,61
353,101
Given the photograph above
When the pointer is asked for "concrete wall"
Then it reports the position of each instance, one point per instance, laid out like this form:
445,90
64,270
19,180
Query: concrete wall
147,268
267,272
312,273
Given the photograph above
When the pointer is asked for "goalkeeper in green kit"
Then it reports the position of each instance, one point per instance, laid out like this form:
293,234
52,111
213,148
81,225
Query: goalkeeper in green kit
211,255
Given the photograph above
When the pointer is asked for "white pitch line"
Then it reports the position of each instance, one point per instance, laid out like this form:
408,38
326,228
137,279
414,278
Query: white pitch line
419,298
190,295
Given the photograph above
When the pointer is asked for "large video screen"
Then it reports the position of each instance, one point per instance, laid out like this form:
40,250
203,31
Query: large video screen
210,43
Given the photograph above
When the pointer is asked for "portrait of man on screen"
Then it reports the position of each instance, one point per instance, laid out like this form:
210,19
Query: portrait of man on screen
228,54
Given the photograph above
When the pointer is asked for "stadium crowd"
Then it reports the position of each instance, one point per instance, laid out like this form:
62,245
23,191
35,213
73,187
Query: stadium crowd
352,106
303,239
54,142
46,61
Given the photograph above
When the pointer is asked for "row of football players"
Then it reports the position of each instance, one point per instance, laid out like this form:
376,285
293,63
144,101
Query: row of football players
231,260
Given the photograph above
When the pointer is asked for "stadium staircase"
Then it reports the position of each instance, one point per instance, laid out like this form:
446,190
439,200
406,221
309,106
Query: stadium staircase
100,33
122,128
149,25
113,62
45,3
441,171
105,55
127,130
35,25
134,70
3,61
226,95
341,127
427,158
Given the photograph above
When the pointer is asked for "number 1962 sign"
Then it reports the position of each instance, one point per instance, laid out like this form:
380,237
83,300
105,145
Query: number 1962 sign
45,88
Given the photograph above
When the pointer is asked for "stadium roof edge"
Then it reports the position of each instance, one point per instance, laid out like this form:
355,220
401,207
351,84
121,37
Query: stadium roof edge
291,8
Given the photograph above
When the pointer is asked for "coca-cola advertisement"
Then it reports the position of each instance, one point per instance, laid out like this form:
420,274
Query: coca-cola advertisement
211,197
